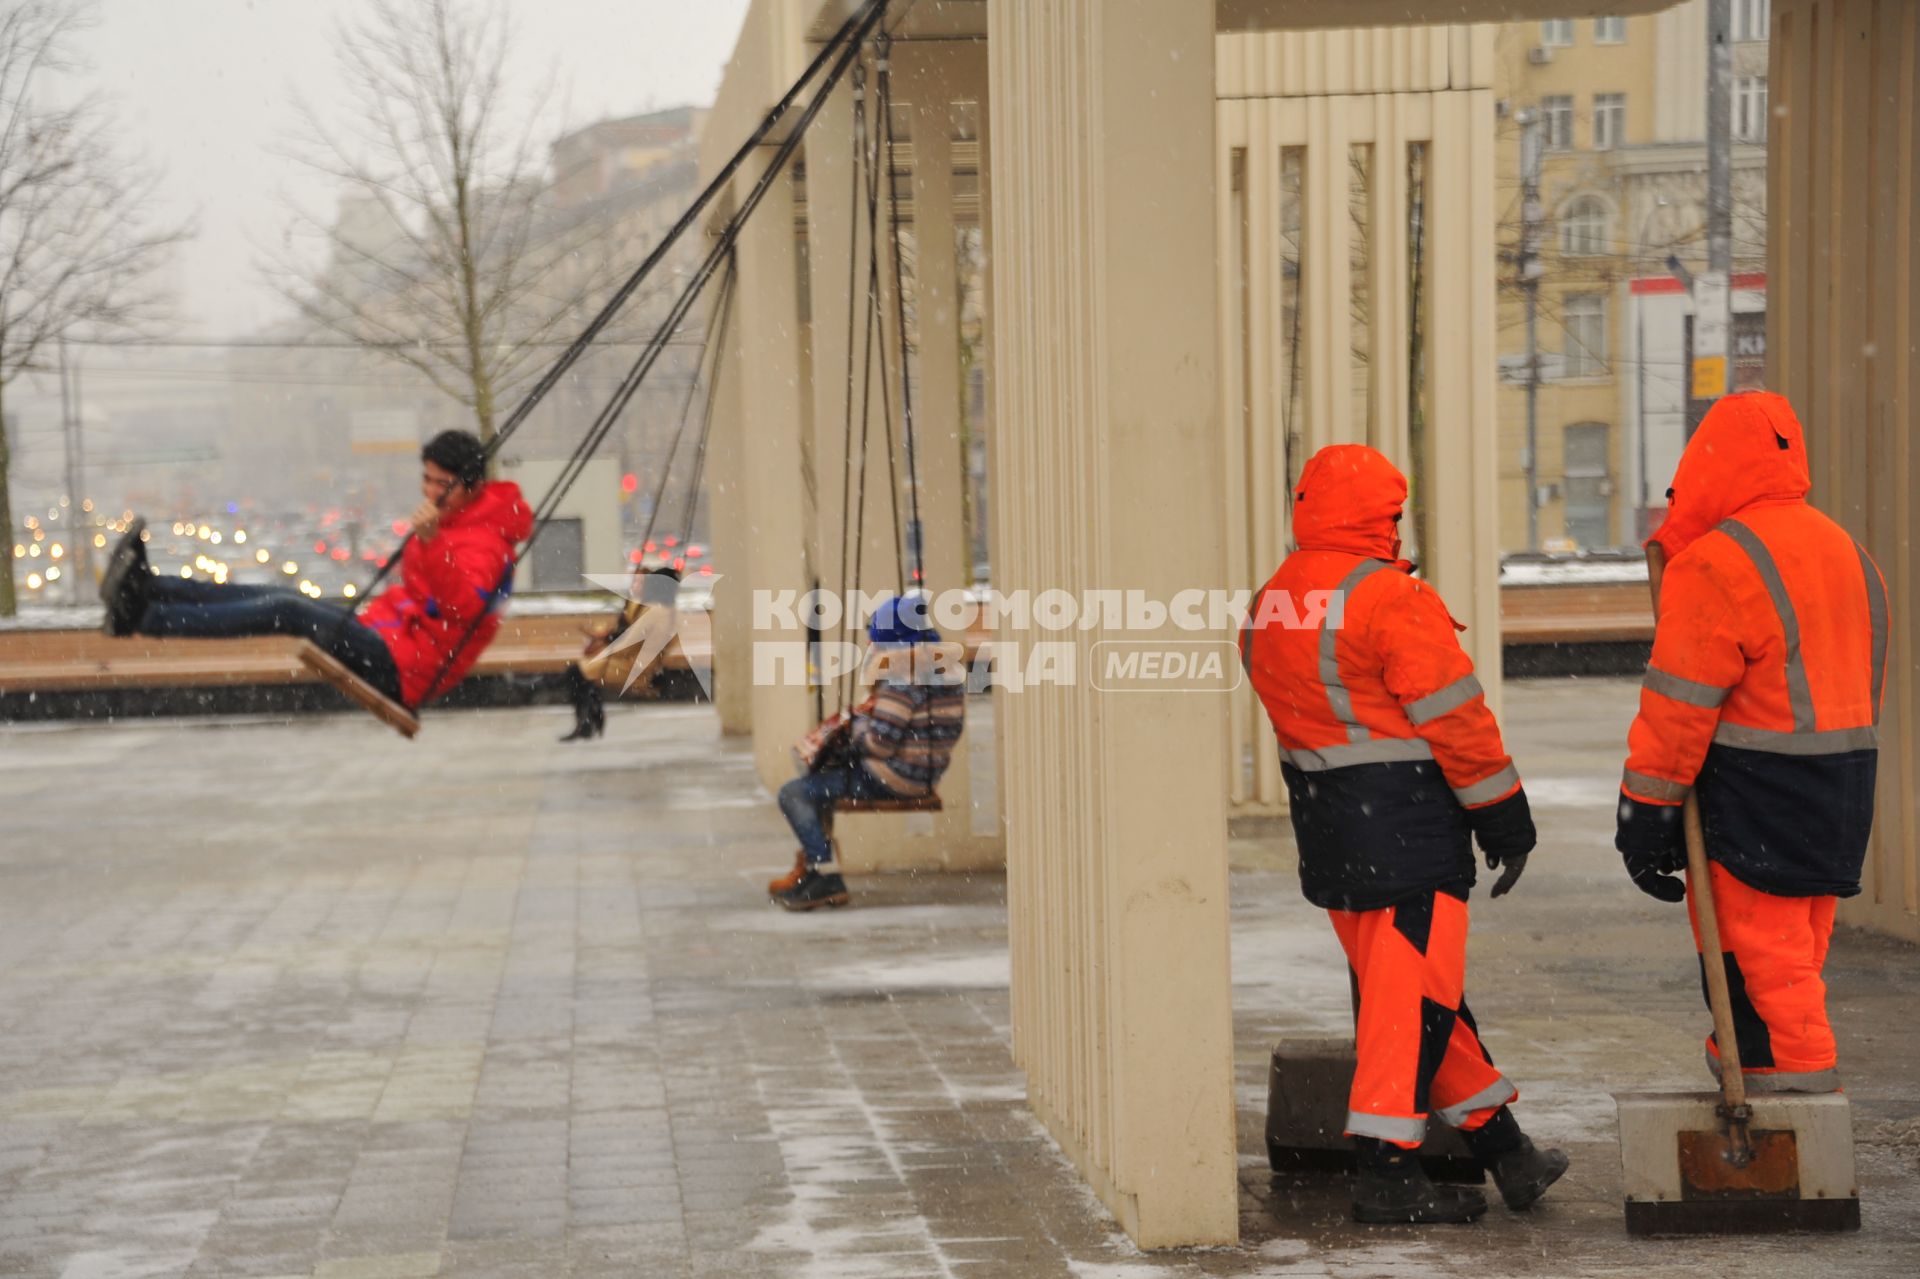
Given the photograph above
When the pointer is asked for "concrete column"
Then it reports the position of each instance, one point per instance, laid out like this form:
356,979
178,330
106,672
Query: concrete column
765,366
1461,438
1108,472
728,523
1843,343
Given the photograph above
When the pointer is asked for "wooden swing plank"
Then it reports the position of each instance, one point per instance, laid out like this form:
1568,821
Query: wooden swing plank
334,672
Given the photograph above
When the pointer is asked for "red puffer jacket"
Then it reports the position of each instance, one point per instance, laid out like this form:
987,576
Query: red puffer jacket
463,573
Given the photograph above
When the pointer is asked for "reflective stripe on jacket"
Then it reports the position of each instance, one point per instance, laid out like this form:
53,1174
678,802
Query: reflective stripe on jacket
1769,659
1384,730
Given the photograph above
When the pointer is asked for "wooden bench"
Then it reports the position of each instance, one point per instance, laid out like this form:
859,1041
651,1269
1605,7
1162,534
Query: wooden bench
1602,612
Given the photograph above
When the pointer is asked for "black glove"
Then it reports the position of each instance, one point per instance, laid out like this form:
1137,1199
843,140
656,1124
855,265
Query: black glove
1653,844
1506,835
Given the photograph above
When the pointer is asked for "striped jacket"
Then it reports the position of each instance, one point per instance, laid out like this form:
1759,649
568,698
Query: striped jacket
906,736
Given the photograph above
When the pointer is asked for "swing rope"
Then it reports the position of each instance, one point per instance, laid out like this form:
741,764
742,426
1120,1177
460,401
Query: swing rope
706,372
917,540
848,44
851,33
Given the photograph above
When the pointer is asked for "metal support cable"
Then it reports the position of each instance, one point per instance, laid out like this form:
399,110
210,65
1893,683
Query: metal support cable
850,35
884,43
855,32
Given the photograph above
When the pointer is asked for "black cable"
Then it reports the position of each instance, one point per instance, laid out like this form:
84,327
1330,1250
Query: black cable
850,35
918,538
843,687
700,278
880,161
686,413
849,40
729,286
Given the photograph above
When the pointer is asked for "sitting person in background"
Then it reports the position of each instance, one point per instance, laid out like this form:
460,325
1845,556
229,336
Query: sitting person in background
416,639
896,746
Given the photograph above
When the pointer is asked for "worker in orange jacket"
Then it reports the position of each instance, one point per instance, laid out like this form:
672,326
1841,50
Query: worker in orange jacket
1764,696
1393,764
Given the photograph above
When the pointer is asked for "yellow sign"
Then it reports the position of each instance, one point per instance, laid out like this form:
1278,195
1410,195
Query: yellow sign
1709,377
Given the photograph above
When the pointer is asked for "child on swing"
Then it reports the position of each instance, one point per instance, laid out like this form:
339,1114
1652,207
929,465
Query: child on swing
897,746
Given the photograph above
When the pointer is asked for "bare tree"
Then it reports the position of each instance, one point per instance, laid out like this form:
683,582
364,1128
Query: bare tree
74,256
443,257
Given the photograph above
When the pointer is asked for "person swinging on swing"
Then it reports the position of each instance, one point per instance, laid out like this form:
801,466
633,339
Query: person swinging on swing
896,745
416,639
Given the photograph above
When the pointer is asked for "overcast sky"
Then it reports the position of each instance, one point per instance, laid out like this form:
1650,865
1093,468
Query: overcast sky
207,90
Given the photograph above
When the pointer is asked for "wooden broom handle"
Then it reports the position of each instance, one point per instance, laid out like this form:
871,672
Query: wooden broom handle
1733,1084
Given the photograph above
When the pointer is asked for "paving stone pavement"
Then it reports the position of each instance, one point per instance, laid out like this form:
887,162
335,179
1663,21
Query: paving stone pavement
300,998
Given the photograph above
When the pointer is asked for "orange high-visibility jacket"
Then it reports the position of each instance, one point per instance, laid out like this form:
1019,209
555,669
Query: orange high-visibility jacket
1769,655
1386,741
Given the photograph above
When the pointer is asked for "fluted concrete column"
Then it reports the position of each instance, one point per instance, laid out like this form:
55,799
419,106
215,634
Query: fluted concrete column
1108,475
764,364
1843,343
729,536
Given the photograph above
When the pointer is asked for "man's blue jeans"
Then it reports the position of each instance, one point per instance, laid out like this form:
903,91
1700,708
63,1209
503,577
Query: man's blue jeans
206,610
808,804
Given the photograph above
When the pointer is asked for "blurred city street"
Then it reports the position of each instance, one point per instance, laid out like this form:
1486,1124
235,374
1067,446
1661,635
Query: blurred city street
301,998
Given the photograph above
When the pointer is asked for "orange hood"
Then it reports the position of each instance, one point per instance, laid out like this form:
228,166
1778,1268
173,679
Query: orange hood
1748,449
1349,499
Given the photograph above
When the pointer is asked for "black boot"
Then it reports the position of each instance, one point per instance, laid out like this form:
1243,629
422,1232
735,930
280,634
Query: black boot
813,891
123,587
1393,1189
589,711
1522,1170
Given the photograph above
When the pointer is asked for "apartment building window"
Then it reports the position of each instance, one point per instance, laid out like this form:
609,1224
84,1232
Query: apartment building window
1585,320
1609,120
1556,32
1750,108
1609,30
1589,485
1583,228
1556,113
1750,19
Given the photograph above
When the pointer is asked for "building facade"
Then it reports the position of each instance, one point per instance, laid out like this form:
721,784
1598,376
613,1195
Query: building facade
1617,107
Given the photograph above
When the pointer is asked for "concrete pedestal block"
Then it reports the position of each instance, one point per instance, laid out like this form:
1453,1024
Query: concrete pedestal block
1307,1089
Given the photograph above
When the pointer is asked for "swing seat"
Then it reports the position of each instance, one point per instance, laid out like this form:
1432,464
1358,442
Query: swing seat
330,669
914,804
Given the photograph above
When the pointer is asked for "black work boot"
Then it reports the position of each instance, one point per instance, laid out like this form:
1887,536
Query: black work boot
1393,1189
813,891
123,587
1522,1170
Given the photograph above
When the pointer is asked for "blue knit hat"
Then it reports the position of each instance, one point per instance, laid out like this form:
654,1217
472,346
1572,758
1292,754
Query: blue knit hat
902,620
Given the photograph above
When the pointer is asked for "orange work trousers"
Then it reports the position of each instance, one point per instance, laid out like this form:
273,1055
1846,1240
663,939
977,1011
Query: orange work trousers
1419,1051
1775,948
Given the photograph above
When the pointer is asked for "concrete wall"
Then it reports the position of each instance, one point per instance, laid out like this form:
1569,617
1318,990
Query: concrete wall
1105,393
1843,339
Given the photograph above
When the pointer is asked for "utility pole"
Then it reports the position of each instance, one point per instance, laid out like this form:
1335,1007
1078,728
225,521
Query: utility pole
1712,292
1530,270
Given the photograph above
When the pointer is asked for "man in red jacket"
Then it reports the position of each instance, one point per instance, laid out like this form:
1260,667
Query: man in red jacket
1394,765
1763,696
416,639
